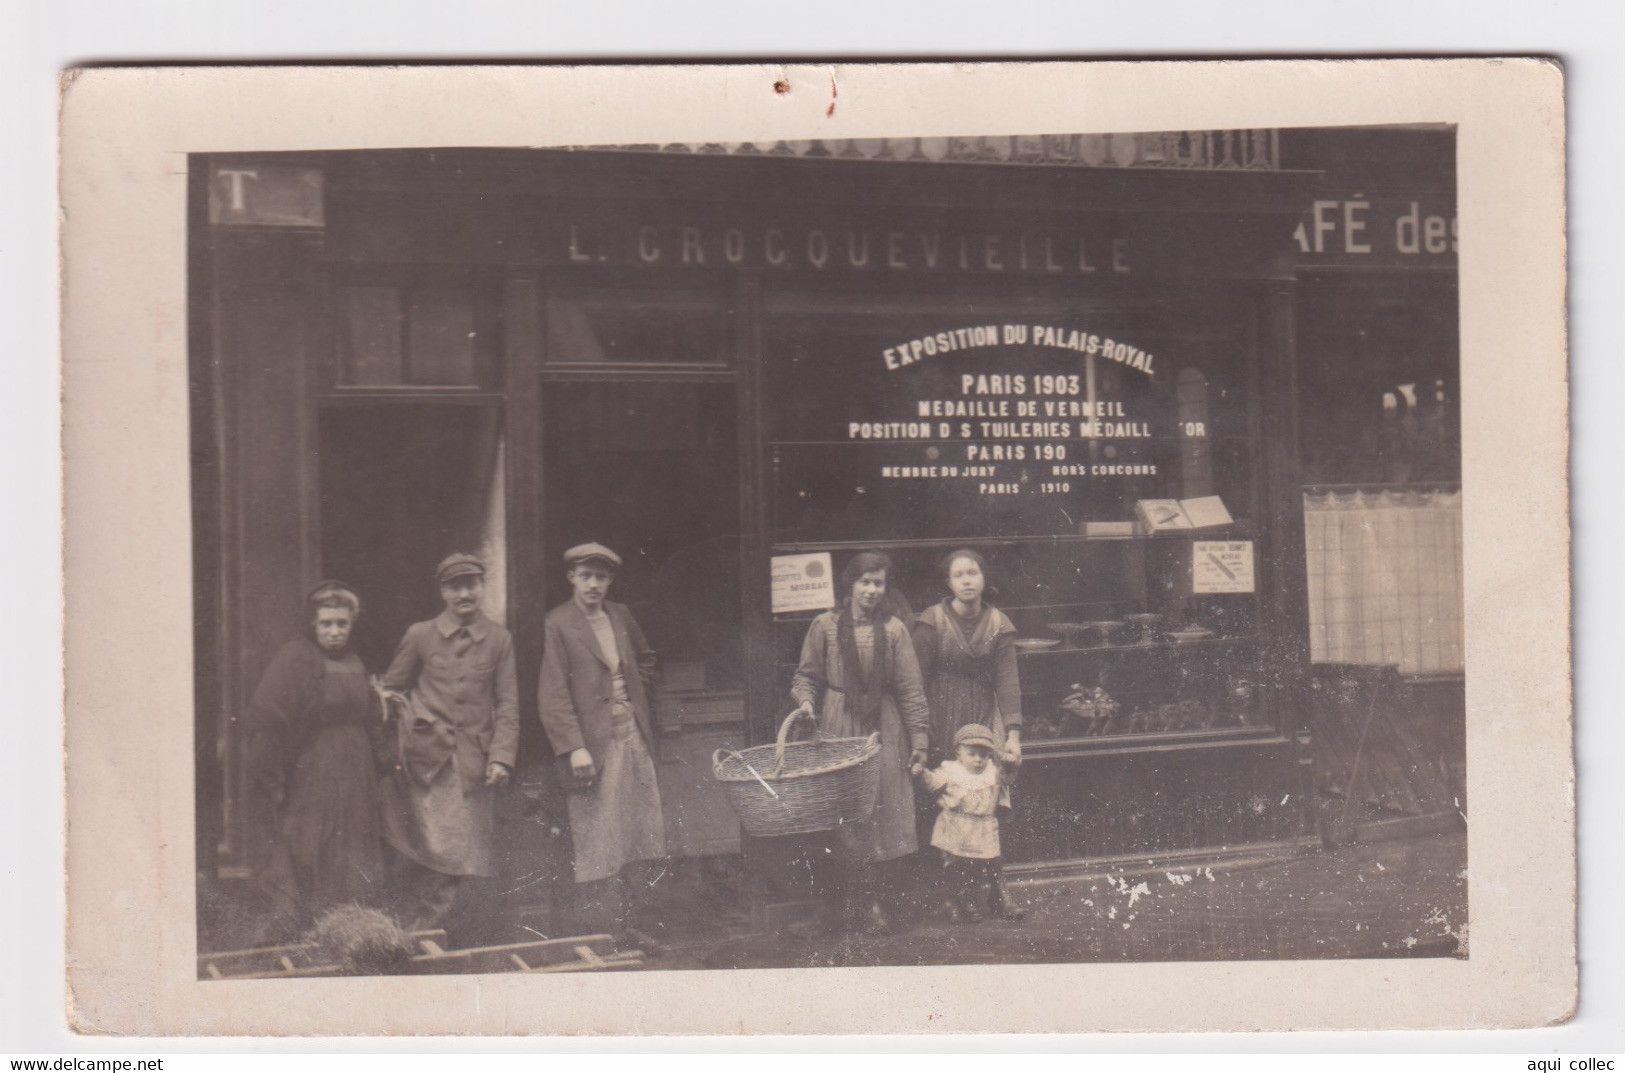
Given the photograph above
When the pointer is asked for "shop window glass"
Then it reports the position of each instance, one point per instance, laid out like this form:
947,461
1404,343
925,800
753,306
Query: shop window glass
1380,380
866,448
374,320
1196,458
922,431
603,326
440,337
416,336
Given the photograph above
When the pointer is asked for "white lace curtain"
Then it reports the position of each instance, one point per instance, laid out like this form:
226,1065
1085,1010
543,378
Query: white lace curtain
1385,579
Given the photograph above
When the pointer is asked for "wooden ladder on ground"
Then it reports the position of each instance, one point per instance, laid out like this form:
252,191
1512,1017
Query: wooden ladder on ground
576,953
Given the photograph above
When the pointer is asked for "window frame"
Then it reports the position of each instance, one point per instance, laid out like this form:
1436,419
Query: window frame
485,288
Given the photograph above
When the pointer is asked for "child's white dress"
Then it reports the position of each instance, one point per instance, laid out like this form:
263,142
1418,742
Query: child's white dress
968,825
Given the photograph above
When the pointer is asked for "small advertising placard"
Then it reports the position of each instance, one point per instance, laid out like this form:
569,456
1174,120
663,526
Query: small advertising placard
803,583
1221,566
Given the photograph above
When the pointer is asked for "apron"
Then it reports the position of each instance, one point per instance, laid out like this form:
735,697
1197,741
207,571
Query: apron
889,832
619,819
437,809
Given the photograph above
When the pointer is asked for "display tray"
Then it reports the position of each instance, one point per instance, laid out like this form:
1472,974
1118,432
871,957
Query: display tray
1039,750
1241,527
1142,646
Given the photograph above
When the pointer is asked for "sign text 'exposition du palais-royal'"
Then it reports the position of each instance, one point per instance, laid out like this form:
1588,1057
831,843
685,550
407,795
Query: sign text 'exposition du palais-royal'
1016,417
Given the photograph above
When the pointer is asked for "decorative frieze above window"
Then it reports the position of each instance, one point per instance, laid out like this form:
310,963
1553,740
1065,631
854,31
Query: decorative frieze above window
1211,149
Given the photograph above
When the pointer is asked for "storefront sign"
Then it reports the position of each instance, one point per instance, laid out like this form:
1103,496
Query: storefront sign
265,195
1221,566
1056,423
803,583
899,238
1356,230
1006,427
849,249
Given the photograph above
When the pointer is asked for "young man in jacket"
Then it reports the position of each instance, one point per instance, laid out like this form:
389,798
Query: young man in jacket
597,672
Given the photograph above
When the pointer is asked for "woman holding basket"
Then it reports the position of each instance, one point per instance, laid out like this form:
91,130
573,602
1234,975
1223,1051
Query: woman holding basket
859,675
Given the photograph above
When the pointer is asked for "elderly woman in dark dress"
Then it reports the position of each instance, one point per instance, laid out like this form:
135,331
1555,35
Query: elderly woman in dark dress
311,739
858,673
968,660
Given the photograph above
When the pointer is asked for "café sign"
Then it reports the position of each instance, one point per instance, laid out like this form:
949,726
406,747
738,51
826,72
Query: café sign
1359,230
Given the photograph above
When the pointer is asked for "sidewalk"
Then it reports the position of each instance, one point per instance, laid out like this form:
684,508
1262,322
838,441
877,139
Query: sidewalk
1387,899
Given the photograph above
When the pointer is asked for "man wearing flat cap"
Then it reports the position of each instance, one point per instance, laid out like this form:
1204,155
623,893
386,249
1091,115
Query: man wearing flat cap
456,736
597,671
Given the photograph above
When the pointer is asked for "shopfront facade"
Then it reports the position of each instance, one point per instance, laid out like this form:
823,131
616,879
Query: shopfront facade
738,367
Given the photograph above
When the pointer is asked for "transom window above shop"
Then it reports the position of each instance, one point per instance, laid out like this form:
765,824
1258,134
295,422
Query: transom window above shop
595,327
416,333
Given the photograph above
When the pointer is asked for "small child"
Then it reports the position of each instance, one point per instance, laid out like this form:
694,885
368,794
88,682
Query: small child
968,790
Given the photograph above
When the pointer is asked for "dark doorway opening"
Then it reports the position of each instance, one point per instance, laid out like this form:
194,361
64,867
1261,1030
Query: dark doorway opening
403,486
653,472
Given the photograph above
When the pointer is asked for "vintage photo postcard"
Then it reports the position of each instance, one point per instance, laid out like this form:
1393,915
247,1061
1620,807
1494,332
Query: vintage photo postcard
817,549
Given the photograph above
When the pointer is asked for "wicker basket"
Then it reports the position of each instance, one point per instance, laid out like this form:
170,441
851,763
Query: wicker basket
795,787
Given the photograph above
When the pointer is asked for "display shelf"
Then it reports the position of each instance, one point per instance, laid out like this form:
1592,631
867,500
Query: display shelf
1023,610
1038,751
1050,654
1240,528
1168,693
1133,646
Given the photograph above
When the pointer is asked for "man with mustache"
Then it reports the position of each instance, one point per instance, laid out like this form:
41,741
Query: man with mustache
455,701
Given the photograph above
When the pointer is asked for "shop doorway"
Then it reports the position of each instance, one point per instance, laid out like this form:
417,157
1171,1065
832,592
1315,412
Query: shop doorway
402,486
651,470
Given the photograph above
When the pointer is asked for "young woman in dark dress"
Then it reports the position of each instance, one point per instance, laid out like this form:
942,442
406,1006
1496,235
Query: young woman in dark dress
968,660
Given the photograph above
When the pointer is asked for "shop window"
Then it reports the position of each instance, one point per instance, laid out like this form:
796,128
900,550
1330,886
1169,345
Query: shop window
374,321
1196,458
1006,435
1380,383
598,327
415,335
1414,438
866,450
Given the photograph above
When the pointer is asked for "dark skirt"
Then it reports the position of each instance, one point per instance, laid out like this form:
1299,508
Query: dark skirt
328,851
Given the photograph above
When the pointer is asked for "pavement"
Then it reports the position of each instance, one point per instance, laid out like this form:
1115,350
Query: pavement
1401,898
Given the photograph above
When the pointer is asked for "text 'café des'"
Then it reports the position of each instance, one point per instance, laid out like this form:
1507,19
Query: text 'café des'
738,365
